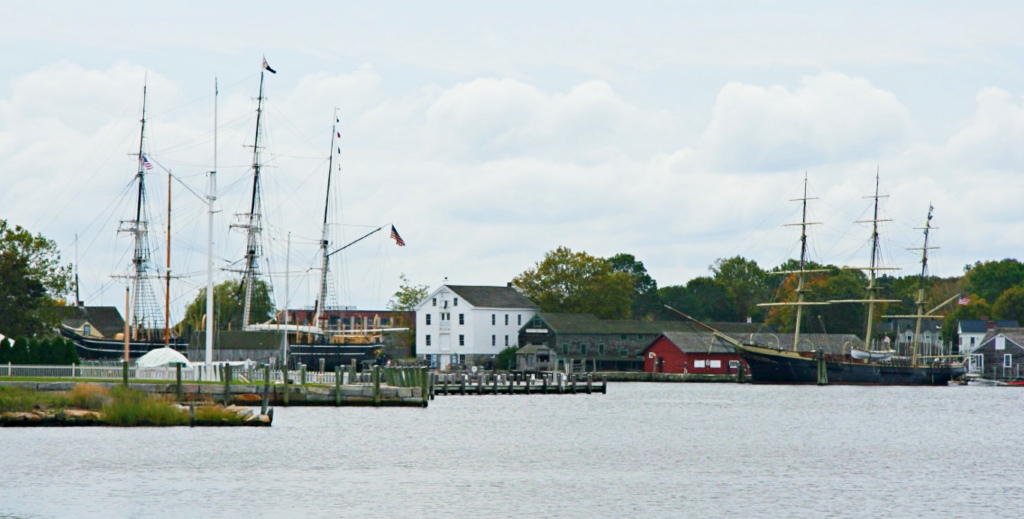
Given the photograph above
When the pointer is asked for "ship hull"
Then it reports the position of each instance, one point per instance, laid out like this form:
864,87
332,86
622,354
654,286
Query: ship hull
768,366
333,355
100,349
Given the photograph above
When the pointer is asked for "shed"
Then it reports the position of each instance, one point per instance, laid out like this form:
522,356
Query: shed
691,352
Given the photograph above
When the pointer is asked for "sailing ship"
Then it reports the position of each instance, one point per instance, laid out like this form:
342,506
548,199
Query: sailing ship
778,365
141,330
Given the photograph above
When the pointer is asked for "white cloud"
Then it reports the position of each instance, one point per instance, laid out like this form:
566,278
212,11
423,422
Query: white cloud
830,118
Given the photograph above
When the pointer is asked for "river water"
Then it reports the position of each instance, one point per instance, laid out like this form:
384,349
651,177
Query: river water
642,450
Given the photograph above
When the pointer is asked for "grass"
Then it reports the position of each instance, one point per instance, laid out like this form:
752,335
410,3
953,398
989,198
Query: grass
119,406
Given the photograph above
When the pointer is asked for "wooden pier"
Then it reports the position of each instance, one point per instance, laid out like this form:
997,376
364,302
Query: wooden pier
516,384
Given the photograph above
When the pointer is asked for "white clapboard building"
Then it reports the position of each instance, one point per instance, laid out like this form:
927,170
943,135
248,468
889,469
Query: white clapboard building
469,325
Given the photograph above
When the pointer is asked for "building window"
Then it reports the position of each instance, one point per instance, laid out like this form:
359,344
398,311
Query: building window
623,353
698,364
538,322
600,349
462,340
506,340
583,348
624,337
428,318
565,348
87,329
1007,360
494,340
455,301
435,301
462,318
506,319
519,320
715,364
462,359
494,319
639,336
428,340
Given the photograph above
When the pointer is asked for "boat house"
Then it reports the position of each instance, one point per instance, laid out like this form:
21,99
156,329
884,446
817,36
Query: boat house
692,352
999,355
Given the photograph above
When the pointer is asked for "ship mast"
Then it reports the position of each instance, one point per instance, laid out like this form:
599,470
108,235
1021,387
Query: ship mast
251,221
872,289
321,302
143,303
921,288
802,272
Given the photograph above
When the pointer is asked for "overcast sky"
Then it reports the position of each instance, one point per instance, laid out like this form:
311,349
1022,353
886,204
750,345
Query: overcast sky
489,135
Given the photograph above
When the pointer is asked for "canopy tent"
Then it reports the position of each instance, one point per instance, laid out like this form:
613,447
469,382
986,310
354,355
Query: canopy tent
161,357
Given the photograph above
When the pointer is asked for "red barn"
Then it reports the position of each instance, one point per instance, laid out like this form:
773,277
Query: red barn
691,352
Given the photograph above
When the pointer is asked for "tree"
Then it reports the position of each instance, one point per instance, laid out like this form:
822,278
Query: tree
702,298
229,305
834,284
407,296
576,282
506,359
645,302
746,282
32,280
977,309
405,300
990,278
1010,305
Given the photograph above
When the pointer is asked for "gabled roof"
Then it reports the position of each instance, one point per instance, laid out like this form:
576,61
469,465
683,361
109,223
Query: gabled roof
1014,335
106,319
698,342
492,297
977,326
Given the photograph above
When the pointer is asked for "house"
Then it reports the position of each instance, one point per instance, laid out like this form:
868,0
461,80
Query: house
972,332
999,355
691,352
469,325
586,342
97,322
536,357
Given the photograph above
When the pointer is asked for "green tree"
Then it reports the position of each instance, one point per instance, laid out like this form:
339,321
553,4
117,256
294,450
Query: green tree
645,302
407,296
405,300
1010,305
229,305
506,359
746,282
576,282
989,279
702,298
32,281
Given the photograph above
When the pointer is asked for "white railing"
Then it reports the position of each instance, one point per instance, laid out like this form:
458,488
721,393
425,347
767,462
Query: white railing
199,373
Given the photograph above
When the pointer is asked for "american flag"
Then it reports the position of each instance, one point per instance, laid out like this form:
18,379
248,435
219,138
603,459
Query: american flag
145,163
963,301
398,239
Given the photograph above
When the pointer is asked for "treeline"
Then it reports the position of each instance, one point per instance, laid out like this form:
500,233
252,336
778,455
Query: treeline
620,287
47,351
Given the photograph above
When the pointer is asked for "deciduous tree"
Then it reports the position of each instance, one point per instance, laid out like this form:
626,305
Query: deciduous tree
576,282
32,281
645,304
746,282
228,306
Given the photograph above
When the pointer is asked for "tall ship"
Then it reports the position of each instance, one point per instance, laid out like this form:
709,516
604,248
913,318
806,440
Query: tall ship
142,330
848,364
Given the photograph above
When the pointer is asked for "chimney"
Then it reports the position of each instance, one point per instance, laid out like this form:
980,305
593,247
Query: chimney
509,284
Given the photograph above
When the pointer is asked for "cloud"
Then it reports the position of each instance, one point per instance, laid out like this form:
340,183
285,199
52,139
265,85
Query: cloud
829,118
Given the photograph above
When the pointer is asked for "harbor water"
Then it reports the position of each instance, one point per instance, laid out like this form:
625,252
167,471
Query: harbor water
642,450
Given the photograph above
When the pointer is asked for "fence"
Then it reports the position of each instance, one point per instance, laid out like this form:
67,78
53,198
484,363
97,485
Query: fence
249,373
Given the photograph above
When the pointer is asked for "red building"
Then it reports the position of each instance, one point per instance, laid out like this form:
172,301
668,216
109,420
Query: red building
691,352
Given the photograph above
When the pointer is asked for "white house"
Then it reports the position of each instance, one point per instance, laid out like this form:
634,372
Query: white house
469,325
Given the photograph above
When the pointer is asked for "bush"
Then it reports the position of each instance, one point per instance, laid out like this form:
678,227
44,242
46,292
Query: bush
89,396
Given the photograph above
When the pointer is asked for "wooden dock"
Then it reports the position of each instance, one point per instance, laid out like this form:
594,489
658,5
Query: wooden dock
516,384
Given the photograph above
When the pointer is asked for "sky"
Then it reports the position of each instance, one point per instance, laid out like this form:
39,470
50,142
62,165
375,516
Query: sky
489,134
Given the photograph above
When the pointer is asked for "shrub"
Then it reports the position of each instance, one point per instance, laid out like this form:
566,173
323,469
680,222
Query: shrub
89,396
133,408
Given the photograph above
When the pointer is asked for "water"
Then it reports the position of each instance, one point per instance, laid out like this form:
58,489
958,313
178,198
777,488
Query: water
643,450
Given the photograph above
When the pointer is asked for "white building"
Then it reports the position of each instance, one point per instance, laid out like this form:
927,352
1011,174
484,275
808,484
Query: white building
469,325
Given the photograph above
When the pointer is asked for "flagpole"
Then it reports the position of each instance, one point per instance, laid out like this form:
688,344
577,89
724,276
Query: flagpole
211,198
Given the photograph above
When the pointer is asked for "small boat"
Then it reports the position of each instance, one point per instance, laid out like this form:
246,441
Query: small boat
879,355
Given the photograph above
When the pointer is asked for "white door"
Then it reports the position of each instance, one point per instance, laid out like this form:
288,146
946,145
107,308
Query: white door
446,342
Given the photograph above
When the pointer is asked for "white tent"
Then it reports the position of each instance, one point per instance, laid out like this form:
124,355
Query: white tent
161,357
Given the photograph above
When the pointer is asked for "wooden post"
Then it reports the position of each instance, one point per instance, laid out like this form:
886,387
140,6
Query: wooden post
495,382
740,373
590,382
265,402
574,383
177,378
124,372
191,415
544,385
462,384
822,369
376,385
425,388
480,384
323,364
302,374
511,386
284,371
227,384
527,385
337,385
